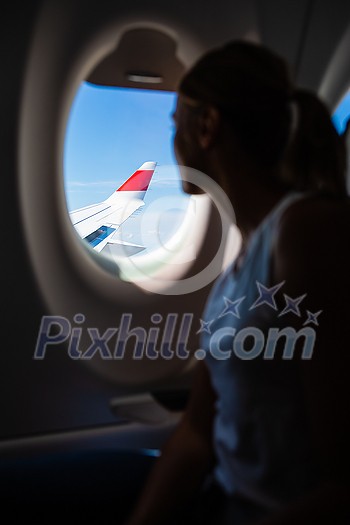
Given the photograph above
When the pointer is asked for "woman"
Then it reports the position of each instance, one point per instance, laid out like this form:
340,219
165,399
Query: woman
267,434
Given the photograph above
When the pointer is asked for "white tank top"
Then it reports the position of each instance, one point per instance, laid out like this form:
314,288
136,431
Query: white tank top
261,433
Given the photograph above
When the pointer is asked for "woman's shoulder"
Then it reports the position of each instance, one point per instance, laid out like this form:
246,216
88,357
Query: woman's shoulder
311,250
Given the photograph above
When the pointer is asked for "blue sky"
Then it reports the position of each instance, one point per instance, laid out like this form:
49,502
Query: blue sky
110,133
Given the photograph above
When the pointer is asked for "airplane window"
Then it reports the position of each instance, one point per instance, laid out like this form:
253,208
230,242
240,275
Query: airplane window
123,187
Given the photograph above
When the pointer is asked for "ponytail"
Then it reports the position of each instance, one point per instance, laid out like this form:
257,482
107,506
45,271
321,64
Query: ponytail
316,154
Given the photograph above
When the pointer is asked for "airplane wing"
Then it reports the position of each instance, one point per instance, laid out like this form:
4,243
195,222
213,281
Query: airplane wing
98,223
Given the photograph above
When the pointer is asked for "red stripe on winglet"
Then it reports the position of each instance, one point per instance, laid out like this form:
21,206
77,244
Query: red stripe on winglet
138,181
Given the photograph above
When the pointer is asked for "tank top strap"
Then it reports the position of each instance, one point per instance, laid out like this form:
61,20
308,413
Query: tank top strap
277,211
262,238
284,203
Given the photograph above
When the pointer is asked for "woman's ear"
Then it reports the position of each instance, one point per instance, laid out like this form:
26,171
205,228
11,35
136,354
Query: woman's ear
209,121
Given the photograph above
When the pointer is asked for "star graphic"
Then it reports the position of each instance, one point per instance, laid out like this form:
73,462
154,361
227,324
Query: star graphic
231,307
292,305
266,295
205,327
312,318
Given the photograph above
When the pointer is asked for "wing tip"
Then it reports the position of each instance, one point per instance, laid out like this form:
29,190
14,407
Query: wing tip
149,165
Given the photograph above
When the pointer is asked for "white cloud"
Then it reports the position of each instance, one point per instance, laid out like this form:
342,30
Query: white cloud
76,183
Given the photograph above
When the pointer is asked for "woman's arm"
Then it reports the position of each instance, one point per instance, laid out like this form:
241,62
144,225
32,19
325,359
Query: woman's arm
312,256
186,459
